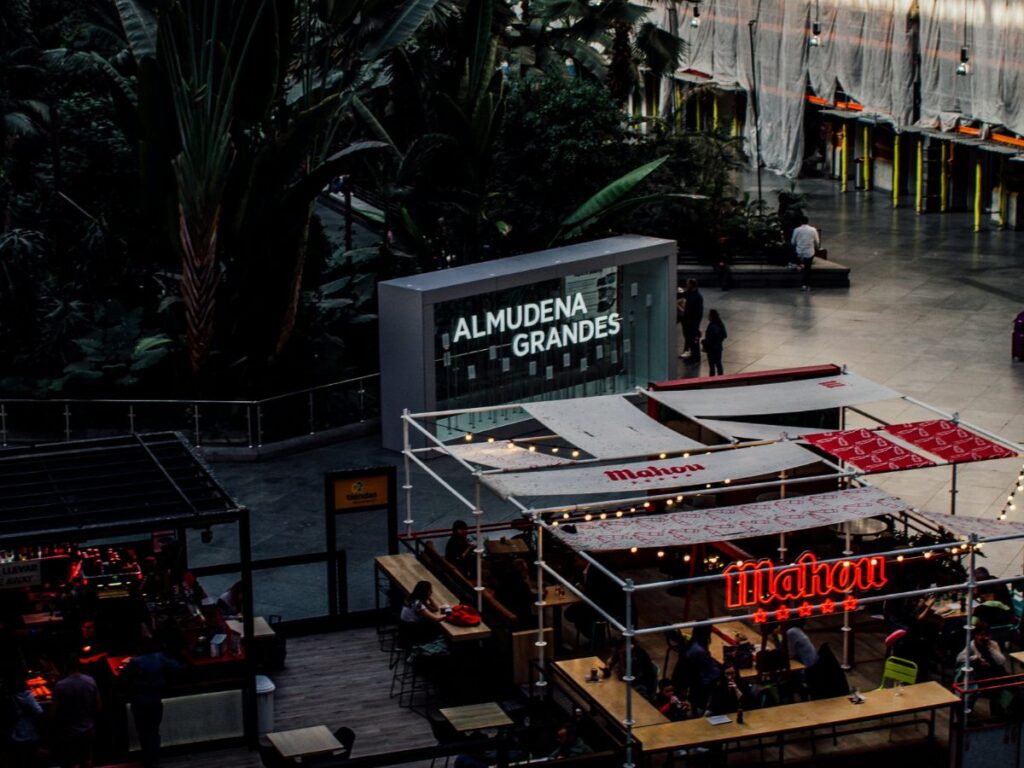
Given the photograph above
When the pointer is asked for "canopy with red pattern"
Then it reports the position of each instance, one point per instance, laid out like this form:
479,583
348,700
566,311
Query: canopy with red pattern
949,441
868,451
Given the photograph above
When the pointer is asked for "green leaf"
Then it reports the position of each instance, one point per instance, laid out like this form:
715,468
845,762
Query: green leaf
149,343
414,13
140,27
613,193
374,125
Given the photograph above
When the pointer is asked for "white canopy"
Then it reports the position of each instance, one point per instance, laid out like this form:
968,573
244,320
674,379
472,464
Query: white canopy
504,454
638,477
781,397
675,529
745,430
965,526
608,427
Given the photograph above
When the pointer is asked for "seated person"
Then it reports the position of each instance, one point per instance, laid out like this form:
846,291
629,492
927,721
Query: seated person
999,592
671,706
231,601
702,671
419,617
459,549
729,693
569,743
799,644
987,659
514,591
645,673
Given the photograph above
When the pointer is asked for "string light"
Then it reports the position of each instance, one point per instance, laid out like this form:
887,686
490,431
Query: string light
604,515
555,449
661,553
469,436
618,513
575,454
565,515
633,550
588,517
490,439
1011,505
533,449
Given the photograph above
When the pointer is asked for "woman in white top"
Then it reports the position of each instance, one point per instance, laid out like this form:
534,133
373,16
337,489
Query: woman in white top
420,616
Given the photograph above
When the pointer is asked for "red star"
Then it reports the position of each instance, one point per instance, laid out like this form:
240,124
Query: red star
850,603
760,616
782,613
828,606
805,610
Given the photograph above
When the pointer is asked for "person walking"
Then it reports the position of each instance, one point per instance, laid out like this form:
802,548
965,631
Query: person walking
76,701
806,242
146,676
714,337
693,313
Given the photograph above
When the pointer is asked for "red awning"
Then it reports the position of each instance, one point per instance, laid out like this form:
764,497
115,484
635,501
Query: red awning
949,441
868,451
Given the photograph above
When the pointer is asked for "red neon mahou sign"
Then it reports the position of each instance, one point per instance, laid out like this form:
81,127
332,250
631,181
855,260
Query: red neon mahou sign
762,582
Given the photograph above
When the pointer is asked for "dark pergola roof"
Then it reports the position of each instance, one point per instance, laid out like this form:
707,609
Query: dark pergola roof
66,488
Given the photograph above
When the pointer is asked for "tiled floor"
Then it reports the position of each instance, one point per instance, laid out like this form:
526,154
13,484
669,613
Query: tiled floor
929,313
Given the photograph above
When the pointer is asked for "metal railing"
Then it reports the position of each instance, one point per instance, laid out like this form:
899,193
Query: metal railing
225,423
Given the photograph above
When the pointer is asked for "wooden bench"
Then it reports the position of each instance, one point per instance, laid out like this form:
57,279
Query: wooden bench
802,717
406,571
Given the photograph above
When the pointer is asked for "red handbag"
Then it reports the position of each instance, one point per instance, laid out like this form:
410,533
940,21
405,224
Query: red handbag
463,615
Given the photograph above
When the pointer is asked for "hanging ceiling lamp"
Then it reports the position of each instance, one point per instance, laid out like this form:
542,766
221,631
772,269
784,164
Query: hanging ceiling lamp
963,67
814,40
695,21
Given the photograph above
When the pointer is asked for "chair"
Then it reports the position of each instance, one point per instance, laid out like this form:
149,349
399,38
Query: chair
270,757
444,733
347,737
898,671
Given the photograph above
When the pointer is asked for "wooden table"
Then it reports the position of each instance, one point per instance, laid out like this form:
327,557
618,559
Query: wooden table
804,716
607,694
1017,656
305,742
405,571
476,717
505,546
556,597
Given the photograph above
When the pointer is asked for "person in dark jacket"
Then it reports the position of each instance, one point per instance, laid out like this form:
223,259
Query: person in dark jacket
690,317
459,549
146,676
714,337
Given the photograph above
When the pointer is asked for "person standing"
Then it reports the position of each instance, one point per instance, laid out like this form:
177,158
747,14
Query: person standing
77,705
806,242
693,313
714,338
24,739
146,676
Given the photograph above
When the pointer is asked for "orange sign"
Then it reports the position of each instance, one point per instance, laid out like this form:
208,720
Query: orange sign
358,492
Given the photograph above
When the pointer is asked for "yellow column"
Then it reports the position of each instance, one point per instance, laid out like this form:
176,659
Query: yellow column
1002,191
714,112
679,106
977,195
696,101
919,184
735,125
943,182
844,158
896,171
866,165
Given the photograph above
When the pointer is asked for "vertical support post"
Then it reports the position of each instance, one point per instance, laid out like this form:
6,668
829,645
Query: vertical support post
969,624
696,102
3,424
952,490
67,422
847,627
259,425
195,423
896,171
919,180
714,112
479,549
845,159
628,678
131,418
977,194
540,644
943,181
752,30
407,486
249,718
312,414
782,535
248,422
866,165
1002,191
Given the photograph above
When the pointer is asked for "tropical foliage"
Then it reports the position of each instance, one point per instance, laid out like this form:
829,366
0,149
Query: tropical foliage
161,163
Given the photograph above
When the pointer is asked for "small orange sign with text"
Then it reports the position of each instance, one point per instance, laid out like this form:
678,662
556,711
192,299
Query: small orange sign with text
358,492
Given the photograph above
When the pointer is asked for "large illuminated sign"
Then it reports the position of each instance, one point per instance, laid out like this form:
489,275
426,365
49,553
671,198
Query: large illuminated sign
762,582
525,316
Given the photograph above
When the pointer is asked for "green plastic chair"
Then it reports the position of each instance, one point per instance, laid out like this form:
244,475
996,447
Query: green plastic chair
898,671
